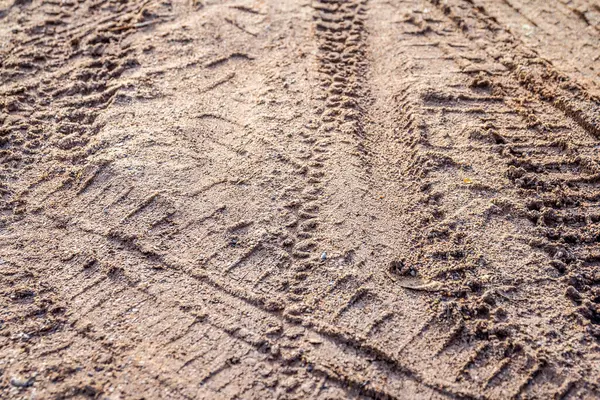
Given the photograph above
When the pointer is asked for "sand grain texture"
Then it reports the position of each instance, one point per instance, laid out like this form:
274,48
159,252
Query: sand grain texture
300,200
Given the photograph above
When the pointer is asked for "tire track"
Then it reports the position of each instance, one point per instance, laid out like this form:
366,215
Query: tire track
423,338
555,29
53,66
333,363
202,284
481,94
570,213
339,34
123,303
531,71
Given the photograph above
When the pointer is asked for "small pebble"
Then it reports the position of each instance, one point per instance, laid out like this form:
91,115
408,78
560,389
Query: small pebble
20,382
573,294
324,256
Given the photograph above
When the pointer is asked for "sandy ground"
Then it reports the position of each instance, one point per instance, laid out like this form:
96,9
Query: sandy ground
277,199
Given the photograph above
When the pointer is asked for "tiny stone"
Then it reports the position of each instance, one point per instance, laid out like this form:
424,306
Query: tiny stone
324,256
20,382
573,294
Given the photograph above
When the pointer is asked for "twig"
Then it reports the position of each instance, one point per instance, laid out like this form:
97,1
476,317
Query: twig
221,81
240,27
135,26
223,59
247,9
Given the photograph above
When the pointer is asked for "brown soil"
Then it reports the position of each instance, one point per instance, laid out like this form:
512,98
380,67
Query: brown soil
323,199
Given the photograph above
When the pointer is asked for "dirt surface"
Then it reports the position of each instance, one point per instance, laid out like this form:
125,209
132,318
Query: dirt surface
300,200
